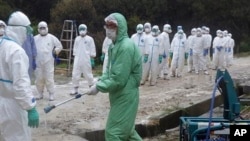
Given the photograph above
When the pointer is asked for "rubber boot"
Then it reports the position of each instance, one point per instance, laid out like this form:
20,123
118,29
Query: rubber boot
51,97
40,96
74,91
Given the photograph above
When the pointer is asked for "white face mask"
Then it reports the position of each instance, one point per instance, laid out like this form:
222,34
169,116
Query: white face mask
199,33
1,31
82,32
111,34
147,30
43,32
169,31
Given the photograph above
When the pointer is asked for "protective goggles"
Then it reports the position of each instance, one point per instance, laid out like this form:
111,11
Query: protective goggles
139,28
82,28
110,25
42,28
2,26
154,30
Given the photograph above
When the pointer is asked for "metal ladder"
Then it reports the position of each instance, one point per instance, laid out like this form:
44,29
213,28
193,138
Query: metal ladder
68,34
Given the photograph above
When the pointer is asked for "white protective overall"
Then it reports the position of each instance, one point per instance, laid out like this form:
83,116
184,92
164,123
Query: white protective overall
139,39
178,46
218,33
147,33
84,49
198,50
16,95
105,46
153,48
46,44
207,45
219,52
226,39
163,69
190,50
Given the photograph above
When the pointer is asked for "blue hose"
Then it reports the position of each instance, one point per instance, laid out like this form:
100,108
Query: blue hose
211,107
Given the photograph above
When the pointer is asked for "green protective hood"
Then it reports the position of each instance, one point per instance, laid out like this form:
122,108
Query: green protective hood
122,26
124,63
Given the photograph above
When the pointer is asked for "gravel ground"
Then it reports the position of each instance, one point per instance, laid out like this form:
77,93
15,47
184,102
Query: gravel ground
70,120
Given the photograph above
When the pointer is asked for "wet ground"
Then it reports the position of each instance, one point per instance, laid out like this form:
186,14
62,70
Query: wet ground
69,121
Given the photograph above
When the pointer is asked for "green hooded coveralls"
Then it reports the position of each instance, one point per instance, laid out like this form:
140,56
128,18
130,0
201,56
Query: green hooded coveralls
121,81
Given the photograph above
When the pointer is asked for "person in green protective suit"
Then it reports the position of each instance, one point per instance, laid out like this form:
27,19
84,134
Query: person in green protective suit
121,80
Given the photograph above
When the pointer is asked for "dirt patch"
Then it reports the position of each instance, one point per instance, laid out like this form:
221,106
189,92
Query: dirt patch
68,121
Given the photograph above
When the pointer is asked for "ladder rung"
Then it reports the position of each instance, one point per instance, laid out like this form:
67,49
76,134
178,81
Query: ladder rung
65,30
68,34
66,40
71,21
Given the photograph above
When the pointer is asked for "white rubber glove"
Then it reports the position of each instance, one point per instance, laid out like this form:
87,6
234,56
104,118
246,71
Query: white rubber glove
93,90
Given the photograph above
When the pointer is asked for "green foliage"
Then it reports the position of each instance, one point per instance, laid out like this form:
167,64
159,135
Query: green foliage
81,11
245,45
5,10
133,21
232,15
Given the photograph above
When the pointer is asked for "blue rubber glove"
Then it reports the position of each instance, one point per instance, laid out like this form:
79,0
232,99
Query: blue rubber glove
145,59
160,59
33,118
34,64
164,55
191,52
186,55
92,61
205,52
102,57
171,54
57,59
219,48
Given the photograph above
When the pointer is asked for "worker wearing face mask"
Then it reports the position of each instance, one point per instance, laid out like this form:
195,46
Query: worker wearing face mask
179,48
147,28
121,81
17,102
166,46
227,47
84,51
48,46
152,57
190,50
206,52
198,44
139,38
219,51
